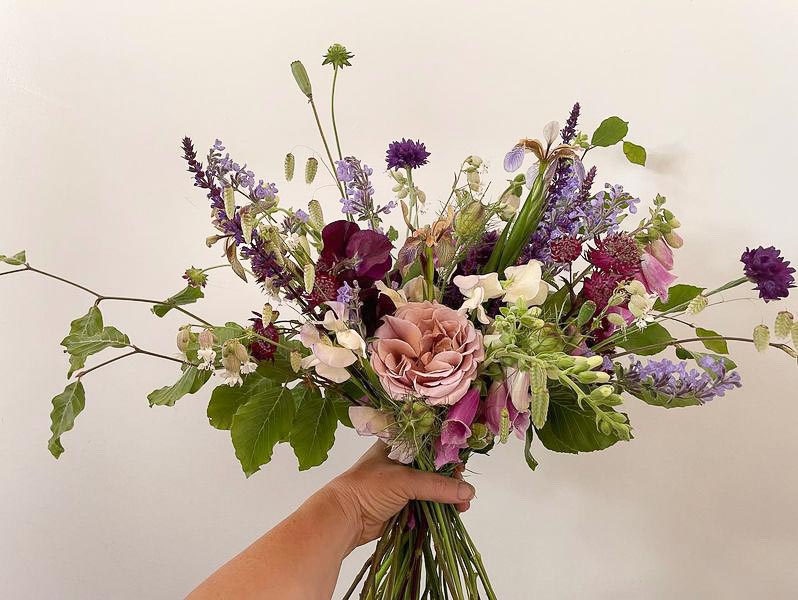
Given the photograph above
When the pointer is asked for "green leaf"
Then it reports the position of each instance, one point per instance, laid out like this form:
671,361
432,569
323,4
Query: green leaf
260,423
66,406
611,131
81,346
719,346
678,295
279,369
18,259
530,460
685,354
586,313
341,406
645,342
228,331
89,324
572,429
655,399
190,382
392,234
313,428
636,154
188,295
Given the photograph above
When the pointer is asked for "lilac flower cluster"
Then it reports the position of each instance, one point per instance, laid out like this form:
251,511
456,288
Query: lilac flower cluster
359,198
674,381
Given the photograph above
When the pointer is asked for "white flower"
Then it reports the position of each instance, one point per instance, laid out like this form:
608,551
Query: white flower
248,367
334,320
328,361
478,289
230,378
641,305
525,283
207,356
292,241
412,291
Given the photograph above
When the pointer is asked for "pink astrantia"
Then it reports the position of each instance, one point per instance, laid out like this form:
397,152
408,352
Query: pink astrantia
456,429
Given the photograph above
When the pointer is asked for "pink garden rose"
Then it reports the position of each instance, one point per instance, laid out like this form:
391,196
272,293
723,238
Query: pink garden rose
427,349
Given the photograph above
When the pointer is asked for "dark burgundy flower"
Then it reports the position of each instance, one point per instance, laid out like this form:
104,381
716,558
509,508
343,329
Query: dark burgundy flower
350,253
772,274
261,349
600,286
565,249
406,154
617,253
373,308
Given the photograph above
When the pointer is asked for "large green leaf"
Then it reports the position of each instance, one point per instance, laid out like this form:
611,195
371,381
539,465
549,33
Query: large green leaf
313,428
261,422
645,342
655,399
611,131
188,295
18,259
228,331
678,295
341,406
719,346
190,382
89,324
66,406
572,429
80,346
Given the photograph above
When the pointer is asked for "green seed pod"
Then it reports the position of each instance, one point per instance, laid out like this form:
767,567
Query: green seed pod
697,304
290,162
761,337
795,336
616,320
302,79
311,167
540,407
784,323
296,361
504,426
593,377
247,222
315,214
229,202
470,219
267,313
310,278
183,338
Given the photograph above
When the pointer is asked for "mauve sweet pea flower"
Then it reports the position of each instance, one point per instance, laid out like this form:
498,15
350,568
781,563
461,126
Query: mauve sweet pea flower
369,421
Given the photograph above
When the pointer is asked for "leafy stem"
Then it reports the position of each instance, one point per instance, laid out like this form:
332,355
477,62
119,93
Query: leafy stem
783,347
135,350
326,146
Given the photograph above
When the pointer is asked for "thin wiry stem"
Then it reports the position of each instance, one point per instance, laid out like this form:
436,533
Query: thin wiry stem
136,350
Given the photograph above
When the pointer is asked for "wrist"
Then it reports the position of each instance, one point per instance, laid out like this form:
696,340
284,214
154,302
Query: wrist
331,508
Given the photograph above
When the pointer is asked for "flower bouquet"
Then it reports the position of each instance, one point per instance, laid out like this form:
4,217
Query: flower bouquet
527,312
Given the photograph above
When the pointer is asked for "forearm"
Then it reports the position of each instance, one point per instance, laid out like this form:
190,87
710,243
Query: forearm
299,559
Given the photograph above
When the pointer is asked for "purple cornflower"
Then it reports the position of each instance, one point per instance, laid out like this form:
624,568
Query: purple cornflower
569,131
772,274
359,198
671,381
406,154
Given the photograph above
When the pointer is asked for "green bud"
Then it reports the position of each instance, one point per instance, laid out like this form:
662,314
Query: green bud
595,361
605,427
586,313
302,79
616,320
337,56
761,337
311,167
593,377
480,436
470,219
289,166
601,393
183,338
784,323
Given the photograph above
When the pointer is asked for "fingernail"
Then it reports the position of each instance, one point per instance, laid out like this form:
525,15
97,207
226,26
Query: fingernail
465,491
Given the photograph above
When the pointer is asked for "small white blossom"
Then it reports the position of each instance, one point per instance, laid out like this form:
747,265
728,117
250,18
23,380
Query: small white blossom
248,367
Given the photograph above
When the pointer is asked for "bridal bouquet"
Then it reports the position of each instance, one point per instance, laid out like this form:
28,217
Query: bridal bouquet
527,312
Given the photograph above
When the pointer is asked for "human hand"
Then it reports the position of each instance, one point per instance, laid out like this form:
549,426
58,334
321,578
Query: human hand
375,488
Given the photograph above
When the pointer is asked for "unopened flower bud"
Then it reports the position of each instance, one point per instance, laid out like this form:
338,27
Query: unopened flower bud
480,436
616,319
421,197
231,364
211,240
473,181
311,168
595,361
761,337
605,427
183,338
674,223
206,339
301,78
474,161
470,219
594,377
616,299
697,304
674,240
635,287
241,352
784,323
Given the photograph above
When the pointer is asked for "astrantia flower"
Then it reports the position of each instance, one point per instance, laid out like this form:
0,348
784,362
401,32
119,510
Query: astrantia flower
406,154
600,286
261,348
565,249
772,274
618,253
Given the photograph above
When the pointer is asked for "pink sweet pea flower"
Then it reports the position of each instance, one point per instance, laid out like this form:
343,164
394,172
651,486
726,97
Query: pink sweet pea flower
456,429
498,400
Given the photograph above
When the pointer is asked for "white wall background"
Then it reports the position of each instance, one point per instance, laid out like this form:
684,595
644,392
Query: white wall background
146,502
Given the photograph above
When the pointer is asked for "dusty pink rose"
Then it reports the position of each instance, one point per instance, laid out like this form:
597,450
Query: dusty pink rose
427,349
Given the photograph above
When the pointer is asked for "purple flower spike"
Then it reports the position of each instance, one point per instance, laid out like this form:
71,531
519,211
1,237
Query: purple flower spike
406,154
514,159
456,429
772,274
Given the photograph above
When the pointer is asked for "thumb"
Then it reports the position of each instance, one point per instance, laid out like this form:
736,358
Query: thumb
437,488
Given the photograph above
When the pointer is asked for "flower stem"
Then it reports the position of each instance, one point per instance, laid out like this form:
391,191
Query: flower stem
326,146
136,350
782,347
332,113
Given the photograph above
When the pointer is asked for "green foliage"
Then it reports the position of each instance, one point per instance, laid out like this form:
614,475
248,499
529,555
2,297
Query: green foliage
571,428
611,131
187,295
678,295
654,399
586,313
685,354
18,259
87,336
66,406
719,346
645,342
392,234
313,428
261,422
190,382
636,154
228,331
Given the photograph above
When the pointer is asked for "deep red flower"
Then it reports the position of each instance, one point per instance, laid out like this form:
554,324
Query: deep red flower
617,253
261,349
565,249
350,253
600,286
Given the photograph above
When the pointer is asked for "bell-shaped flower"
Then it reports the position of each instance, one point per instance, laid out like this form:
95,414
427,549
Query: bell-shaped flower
497,403
328,361
655,276
662,252
478,289
456,429
525,283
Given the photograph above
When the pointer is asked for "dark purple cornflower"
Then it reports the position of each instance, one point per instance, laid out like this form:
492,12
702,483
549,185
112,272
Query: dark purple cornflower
772,274
673,381
406,154
569,131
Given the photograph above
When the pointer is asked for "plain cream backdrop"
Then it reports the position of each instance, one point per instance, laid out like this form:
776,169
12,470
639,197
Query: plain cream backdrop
94,99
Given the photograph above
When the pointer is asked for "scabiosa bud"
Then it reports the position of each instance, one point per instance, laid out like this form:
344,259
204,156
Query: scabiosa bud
338,56
195,277
761,337
697,304
289,166
311,167
784,323
406,154
301,78
565,249
772,274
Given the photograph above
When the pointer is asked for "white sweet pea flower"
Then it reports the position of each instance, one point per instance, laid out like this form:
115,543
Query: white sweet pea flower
329,361
412,291
525,283
346,337
478,289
